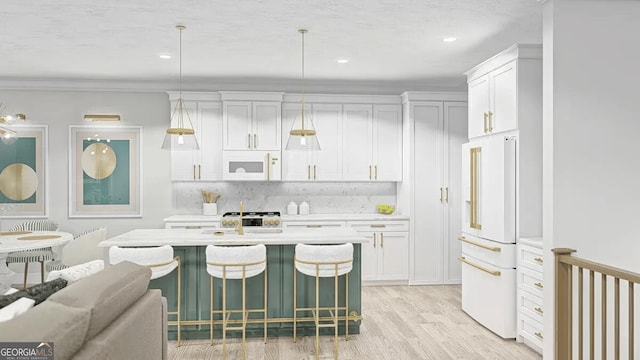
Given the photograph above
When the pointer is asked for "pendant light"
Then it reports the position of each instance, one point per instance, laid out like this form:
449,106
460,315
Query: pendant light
182,136
7,135
302,135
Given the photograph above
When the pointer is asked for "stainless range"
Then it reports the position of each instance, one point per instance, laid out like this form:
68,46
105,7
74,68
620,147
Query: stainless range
252,219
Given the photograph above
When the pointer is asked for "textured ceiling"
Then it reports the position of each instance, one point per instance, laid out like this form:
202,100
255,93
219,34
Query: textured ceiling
386,41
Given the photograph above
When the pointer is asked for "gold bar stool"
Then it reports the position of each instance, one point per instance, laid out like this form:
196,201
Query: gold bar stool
236,263
323,261
161,262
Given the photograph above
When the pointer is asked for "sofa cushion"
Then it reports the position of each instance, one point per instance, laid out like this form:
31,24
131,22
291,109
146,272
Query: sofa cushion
63,325
106,294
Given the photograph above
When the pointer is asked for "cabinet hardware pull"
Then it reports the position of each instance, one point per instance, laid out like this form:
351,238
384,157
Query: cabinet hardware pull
539,309
378,225
381,240
249,141
490,121
314,172
199,172
440,195
308,172
192,227
374,239
539,284
314,226
194,171
446,195
268,165
540,260
485,122
369,172
490,248
538,334
482,268
473,163
376,168
255,141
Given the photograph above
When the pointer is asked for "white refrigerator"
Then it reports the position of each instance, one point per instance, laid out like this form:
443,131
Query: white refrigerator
489,232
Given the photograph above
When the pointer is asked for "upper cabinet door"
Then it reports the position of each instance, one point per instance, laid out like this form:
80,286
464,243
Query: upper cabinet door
210,154
387,147
295,164
265,134
357,133
503,115
327,163
237,125
184,163
478,107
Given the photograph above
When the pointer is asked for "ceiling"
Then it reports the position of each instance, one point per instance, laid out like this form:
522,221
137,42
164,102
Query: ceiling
390,44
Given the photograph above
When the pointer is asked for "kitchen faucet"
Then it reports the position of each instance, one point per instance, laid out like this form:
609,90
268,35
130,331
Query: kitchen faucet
239,229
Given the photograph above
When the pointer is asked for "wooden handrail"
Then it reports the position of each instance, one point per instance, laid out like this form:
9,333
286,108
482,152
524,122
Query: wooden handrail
603,269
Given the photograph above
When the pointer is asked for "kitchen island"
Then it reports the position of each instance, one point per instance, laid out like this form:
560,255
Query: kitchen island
190,245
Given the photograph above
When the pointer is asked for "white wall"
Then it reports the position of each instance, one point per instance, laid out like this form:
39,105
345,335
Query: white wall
591,131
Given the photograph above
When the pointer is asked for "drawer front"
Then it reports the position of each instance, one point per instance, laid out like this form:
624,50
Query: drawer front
313,224
379,226
531,305
499,254
532,331
531,281
193,225
530,257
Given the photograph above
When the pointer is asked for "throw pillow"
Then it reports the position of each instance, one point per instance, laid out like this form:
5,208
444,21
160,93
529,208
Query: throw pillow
77,272
38,293
16,308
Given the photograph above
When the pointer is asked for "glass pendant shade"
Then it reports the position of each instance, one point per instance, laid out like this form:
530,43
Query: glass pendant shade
8,136
182,136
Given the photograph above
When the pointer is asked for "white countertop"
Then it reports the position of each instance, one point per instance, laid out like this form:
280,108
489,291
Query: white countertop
285,217
531,241
200,237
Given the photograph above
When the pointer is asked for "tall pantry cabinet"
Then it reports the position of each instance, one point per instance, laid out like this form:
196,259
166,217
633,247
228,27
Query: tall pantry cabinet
435,127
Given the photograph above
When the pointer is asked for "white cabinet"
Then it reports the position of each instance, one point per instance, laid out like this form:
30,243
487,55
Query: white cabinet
372,142
439,130
204,164
530,293
384,257
323,165
251,125
492,101
489,188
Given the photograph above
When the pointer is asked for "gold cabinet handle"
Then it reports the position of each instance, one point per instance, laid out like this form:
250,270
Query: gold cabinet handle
255,141
490,248
381,240
473,163
314,173
199,172
376,168
314,226
378,225
490,121
540,260
308,172
268,165
539,285
446,195
374,239
539,335
485,122
482,268
369,172
440,195
249,141
194,171
539,310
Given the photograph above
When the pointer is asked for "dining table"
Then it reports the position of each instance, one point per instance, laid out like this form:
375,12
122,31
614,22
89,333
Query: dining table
11,241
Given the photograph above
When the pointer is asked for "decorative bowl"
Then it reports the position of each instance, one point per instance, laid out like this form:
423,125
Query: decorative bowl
386,209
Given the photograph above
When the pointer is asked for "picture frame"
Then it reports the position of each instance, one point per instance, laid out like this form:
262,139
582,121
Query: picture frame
24,173
105,171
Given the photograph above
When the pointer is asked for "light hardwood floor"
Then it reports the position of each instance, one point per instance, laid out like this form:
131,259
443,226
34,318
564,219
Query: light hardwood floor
400,323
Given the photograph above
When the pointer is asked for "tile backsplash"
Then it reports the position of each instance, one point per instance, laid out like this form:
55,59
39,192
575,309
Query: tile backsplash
323,198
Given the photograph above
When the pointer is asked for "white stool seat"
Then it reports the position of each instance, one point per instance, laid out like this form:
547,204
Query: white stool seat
234,257
308,255
159,259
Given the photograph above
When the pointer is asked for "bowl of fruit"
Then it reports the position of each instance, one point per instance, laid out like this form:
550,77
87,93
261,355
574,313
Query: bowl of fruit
386,209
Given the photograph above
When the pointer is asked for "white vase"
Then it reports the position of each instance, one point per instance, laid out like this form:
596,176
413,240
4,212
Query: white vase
209,209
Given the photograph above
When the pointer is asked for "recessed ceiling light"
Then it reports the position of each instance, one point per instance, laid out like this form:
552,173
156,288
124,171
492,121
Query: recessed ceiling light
342,61
164,56
449,39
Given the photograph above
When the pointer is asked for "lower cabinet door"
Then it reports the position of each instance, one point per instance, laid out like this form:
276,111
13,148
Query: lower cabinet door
394,249
369,254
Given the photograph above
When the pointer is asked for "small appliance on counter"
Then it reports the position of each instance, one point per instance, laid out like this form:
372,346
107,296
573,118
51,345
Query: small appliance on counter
292,208
304,208
253,219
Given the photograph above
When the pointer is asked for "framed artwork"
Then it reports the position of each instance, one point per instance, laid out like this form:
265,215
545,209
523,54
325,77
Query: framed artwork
23,173
105,169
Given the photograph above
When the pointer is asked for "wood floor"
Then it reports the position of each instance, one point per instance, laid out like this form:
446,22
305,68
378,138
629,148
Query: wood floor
400,323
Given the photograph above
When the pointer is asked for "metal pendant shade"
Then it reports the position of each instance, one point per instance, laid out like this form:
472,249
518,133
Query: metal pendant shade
180,135
302,135
7,135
